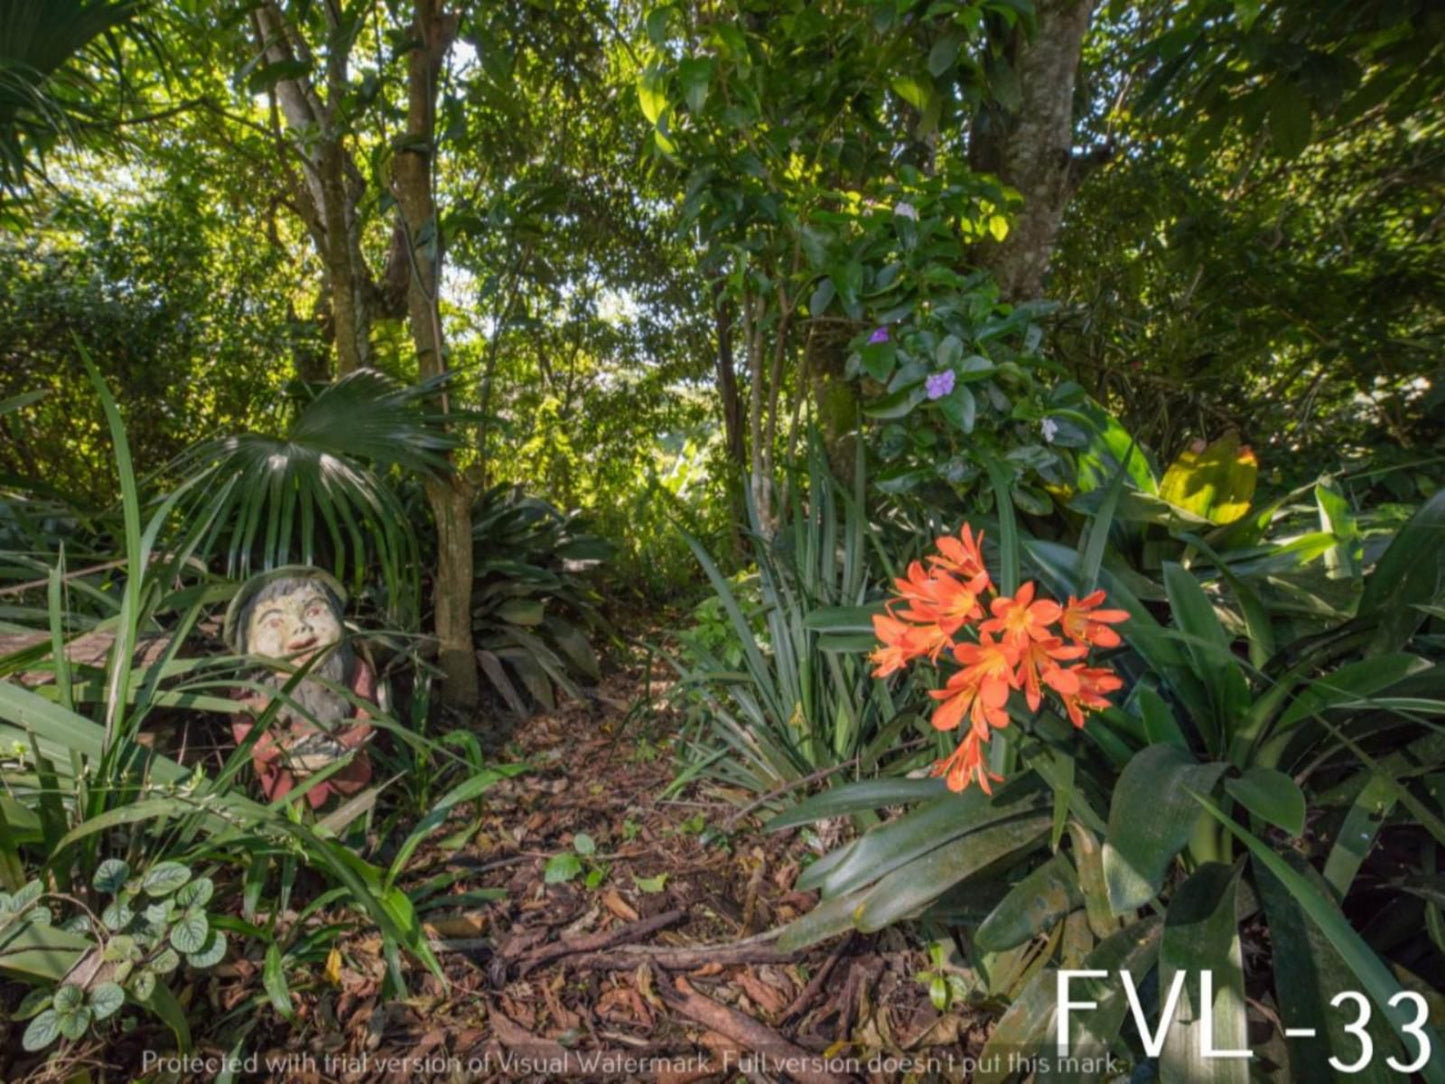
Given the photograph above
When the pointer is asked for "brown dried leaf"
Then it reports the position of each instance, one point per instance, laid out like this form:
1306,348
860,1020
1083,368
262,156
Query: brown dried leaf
763,994
618,906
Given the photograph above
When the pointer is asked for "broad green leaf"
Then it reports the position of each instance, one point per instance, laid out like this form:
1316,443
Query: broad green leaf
1290,123
1215,481
273,978
211,953
652,93
1209,646
36,951
42,1031
901,840
1089,864
1160,726
694,74
521,611
163,878
561,868
1032,907
68,998
868,794
1201,935
1375,981
111,876
188,935
164,1004
960,408
195,894
910,888
1151,818
165,961
828,919
106,999
1362,824
1409,575
143,985
74,1024
1270,795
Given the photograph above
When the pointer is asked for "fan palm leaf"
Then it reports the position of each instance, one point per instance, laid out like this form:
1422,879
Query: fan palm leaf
40,43
319,493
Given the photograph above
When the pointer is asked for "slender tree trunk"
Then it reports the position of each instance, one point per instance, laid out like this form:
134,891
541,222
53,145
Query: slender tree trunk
727,381
331,188
1031,148
451,497
735,438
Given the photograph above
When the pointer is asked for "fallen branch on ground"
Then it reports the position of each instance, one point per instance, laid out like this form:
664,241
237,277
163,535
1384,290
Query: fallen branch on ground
777,1054
594,942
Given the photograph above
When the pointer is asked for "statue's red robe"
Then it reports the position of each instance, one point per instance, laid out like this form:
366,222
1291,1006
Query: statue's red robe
266,755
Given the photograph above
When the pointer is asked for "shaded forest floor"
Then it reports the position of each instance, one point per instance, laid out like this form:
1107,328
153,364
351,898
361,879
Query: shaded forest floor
660,969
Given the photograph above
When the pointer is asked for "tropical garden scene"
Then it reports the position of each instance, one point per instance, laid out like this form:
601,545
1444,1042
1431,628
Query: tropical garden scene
815,540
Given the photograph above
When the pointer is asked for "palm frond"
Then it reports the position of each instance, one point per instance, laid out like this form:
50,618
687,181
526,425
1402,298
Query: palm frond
41,43
319,493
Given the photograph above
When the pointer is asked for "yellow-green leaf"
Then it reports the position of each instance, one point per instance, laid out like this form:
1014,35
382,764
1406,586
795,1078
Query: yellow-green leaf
1215,481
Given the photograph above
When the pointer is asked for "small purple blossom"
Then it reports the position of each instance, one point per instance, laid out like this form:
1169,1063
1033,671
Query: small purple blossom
880,335
940,384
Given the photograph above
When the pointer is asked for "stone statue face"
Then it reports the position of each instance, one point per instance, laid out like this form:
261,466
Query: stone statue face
293,620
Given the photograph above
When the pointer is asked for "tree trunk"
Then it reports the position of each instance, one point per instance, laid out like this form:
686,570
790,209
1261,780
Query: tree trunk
1030,148
835,398
450,497
331,188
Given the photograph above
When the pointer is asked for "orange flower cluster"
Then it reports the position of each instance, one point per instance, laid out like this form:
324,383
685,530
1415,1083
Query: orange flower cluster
1025,644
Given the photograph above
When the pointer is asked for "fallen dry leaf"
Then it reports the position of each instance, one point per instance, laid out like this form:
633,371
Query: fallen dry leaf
766,997
618,906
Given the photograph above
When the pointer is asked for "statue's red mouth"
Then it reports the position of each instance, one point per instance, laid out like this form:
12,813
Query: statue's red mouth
301,644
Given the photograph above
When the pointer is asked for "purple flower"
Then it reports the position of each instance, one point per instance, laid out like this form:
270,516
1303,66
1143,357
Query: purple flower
880,335
940,384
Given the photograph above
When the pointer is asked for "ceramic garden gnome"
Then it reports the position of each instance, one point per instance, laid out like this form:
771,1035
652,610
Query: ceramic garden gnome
292,614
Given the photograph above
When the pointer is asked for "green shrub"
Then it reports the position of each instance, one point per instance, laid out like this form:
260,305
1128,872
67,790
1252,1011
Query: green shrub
796,702
87,801
533,607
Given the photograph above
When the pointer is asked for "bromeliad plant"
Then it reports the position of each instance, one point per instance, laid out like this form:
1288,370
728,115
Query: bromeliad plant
1026,644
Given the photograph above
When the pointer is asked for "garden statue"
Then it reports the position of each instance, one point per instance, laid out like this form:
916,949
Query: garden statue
291,614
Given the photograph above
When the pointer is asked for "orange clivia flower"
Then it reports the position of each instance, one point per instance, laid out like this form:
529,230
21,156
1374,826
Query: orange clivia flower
939,599
1026,644
980,690
1084,623
1037,658
965,765
963,554
1021,619
902,643
1082,689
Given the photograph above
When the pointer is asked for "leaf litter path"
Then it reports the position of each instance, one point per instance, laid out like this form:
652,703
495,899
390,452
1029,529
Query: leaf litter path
652,962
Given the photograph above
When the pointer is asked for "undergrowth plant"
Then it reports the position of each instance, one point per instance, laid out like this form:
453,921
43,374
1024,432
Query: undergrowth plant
534,608
798,705
1224,815
100,832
